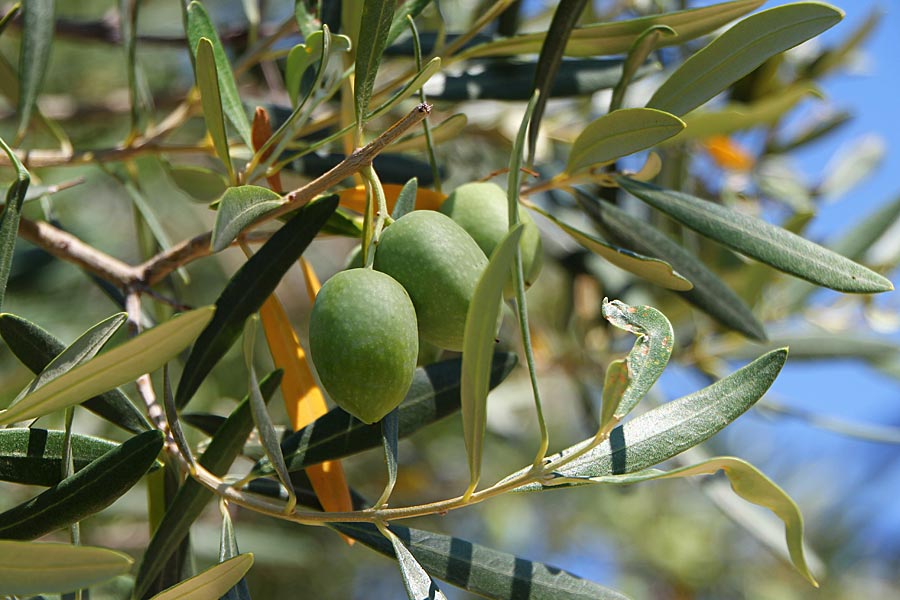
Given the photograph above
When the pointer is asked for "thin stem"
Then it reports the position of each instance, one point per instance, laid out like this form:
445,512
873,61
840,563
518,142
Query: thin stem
429,143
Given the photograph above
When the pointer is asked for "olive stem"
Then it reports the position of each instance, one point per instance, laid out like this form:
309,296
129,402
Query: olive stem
376,191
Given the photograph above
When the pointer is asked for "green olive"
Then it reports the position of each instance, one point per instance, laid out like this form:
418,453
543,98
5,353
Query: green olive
439,265
363,342
482,210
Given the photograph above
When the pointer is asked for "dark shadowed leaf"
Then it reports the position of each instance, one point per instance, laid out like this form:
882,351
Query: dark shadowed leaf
709,294
199,26
88,491
238,208
247,290
565,17
214,582
672,428
738,51
758,239
34,456
37,36
63,568
479,569
514,79
419,586
433,395
35,347
192,497
398,23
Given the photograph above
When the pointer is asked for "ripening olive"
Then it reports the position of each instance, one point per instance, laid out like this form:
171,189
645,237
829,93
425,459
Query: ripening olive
363,342
482,210
439,265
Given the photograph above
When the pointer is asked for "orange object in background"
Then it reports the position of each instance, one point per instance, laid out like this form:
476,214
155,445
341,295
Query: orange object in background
728,154
355,198
303,400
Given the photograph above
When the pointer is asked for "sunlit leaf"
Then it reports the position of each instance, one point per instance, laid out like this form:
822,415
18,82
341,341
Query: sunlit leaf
211,101
620,133
760,240
199,26
239,207
126,362
478,347
63,568
36,348
751,485
88,491
37,36
638,53
411,87
709,294
211,583
398,24
416,580
406,199
373,35
735,53
670,429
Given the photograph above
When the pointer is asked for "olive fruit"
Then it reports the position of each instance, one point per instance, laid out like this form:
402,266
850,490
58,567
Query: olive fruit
439,265
363,341
482,210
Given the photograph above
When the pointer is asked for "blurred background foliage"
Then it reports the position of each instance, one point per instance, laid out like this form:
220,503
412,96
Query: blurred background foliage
657,540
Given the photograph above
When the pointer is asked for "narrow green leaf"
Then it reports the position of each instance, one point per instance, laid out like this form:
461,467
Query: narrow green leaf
211,583
200,26
9,219
37,36
398,23
238,208
478,347
748,483
514,79
604,39
390,436
200,184
128,19
817,346
149,213
375,25
760,240
36,348
228,548
709,294
738,51
88,491
192,497
211,101
478,569
854,163
416,580
84,348
853,244
650,354
61,567
406,199
261,419
638,53
620,133
653,270
565,17
126,362
299,59
672,428
248,289
433,395
614,386
33,456
12,12
305,14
